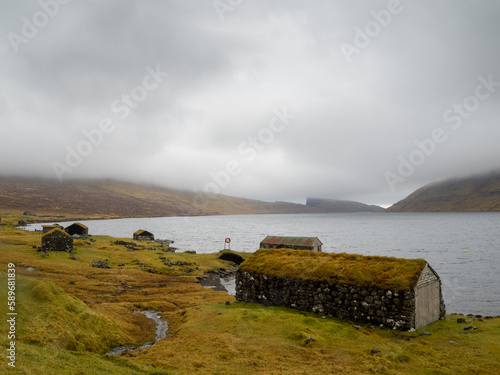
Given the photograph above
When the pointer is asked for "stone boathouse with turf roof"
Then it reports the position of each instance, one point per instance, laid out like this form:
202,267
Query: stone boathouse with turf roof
391,292
57,240
143,235
78,229
297,243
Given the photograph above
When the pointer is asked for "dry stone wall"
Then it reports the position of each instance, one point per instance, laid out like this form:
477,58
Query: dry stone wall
390,308
57,240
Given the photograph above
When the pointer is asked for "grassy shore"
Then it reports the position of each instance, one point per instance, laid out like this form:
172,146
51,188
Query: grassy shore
70,314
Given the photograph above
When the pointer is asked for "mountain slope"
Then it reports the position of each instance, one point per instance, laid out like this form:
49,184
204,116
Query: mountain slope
337,205
478,193
99,198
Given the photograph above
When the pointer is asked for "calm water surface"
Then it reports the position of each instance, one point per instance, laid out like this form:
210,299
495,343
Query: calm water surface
471,280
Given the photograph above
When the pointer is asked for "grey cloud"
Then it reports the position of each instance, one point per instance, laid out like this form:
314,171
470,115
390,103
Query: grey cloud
354,120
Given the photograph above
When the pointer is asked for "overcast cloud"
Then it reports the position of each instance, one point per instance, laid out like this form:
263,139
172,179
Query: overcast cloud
336,113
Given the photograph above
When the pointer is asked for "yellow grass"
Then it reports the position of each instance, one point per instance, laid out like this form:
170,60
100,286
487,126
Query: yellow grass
350,269
70,314
248,338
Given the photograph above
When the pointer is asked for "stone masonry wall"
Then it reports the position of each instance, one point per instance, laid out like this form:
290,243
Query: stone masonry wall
394,309
57,240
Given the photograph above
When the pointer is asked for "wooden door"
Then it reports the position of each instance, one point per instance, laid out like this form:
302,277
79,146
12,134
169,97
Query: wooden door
427,304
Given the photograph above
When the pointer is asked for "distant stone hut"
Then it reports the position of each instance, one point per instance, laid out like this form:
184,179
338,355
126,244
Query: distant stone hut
78,229
393,292
143,235
29,213
297,243
57,240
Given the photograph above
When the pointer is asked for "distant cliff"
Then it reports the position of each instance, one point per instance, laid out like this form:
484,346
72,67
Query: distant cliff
478,193
337,205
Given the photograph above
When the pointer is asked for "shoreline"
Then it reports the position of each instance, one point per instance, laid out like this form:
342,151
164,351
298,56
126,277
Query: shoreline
456,307
63,219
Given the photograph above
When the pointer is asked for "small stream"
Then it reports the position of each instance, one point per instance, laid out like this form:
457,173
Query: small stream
161,333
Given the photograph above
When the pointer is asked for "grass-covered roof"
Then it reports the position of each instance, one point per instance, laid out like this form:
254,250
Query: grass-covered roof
79,225
54,231
143,232
351,269
290,241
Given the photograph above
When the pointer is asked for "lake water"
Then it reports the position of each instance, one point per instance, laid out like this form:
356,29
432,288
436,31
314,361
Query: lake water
471,280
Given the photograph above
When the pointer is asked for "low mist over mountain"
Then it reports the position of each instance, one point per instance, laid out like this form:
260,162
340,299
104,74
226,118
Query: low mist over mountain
104,198
337,205
476,193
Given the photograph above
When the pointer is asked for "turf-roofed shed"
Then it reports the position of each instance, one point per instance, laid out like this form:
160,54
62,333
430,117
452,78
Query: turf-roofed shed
78,229
297,243
143,235
393,292
57,240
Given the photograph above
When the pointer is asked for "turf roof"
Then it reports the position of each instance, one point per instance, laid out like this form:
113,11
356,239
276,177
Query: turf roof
54,231
290,241
332,268
78,224
142,231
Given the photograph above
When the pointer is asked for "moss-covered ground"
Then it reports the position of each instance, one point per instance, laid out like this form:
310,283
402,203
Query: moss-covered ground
70,314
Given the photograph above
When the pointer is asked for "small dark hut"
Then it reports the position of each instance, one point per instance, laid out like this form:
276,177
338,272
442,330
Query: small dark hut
296,243
143,235
29,213
77,228
57,240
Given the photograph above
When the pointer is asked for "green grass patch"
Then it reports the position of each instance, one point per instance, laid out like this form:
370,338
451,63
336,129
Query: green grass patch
247,338
47,315
59,334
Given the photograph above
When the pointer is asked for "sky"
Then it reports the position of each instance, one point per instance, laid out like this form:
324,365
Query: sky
264,99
